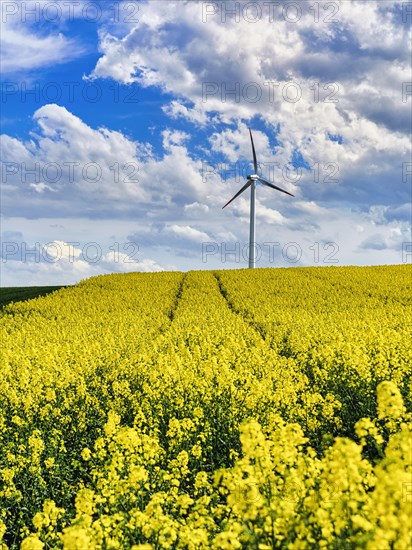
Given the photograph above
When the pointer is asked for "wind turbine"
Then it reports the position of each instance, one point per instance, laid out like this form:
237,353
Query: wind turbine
251,182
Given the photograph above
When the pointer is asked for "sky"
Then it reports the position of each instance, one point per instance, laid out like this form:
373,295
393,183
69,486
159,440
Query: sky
124,130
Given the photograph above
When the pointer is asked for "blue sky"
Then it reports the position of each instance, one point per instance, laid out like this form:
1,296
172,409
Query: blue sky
124,132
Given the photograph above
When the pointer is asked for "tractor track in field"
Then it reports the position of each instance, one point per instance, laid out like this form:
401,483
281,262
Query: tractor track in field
233,308
179,293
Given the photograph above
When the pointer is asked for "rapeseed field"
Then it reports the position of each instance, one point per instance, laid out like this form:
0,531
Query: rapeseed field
247,409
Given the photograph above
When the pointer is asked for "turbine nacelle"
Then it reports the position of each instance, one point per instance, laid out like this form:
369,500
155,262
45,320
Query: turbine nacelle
252,177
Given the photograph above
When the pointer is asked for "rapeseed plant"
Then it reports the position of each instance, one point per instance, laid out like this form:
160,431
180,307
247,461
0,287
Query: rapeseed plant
209,410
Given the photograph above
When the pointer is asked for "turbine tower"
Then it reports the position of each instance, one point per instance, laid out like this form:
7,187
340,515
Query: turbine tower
251,181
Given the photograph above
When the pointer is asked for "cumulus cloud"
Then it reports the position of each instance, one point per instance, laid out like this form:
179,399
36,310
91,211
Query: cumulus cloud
189,233
392,239
263,213
194,53
196,208
70,163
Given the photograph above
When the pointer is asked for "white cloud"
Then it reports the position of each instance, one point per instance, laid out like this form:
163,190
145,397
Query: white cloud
189,233
176,109
25,45
173,137
24,51
42,187
74,161
82,170
196,209
263,213
390,238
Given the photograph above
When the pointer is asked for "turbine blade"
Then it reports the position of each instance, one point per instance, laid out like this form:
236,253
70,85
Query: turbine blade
239,192
254,152
274,186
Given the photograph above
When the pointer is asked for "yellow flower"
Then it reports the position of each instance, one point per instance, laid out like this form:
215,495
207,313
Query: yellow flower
77,538
196,450
32,543
3,529
85,502
390,402
49,462
86,454
113,421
